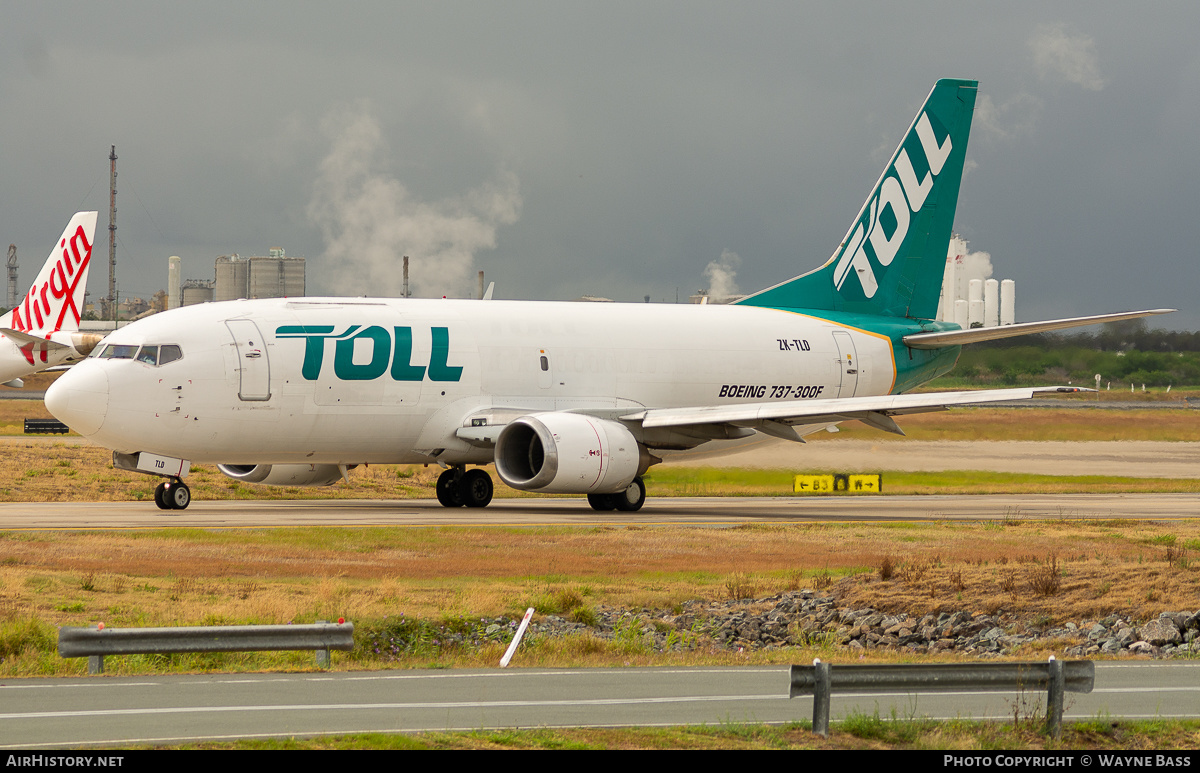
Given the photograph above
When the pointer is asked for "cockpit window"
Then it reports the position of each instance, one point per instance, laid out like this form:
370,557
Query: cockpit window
151,355
169,353
119,352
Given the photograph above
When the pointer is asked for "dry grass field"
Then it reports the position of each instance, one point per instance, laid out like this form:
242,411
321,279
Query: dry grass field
172,577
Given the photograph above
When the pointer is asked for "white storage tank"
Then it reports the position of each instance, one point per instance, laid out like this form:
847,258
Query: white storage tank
1008,302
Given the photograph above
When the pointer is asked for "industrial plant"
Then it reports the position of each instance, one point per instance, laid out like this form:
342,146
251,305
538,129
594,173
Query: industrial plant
970,297
274,275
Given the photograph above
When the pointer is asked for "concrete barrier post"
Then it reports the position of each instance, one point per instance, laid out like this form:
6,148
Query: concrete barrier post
1054,699
821,691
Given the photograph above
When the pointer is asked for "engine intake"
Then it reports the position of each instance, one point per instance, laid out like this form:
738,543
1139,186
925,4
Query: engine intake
284,474
568,453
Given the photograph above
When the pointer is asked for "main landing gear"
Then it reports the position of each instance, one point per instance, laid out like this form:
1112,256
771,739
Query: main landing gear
464,488
457,487
630,500
172,494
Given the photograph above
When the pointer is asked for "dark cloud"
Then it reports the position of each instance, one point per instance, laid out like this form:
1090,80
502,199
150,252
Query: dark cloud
617,149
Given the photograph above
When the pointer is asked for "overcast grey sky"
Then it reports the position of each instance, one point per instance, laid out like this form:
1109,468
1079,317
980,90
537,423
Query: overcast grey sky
606,148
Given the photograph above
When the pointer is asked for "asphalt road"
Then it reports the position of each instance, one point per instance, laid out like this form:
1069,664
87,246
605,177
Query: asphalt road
713,511
48,713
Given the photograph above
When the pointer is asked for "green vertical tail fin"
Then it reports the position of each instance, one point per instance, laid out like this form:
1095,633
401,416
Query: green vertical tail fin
892,260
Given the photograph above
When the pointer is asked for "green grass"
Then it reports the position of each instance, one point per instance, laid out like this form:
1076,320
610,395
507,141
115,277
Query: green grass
725,482
854,732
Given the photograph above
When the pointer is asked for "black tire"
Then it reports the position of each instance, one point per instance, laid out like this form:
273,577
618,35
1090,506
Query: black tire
447,490
177,495
631,499
475,488
602,502
159,498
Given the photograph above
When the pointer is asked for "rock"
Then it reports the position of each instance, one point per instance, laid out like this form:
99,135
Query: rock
1159,632
799,619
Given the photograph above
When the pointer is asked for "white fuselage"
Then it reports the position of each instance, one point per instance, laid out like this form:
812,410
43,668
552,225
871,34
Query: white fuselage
294,381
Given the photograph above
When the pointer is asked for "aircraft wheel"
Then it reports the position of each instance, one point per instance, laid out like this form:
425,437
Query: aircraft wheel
631,499
448,492
177,495
158,496
602,502
475,488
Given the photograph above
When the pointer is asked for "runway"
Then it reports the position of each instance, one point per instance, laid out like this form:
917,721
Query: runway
713,511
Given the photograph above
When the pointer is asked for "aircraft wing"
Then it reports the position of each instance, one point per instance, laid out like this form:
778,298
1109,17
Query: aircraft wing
780,418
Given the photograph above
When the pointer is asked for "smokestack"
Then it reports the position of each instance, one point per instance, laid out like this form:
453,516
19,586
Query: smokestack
174,283
479,292
12,275
405,276
112,234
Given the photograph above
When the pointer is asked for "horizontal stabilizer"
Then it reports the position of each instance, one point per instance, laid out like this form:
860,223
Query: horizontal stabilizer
38,344
977,334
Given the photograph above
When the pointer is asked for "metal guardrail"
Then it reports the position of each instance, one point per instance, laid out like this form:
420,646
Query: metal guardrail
1057,677
45,427
97,643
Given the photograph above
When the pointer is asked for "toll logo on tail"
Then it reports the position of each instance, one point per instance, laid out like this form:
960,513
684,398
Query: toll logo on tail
886,219
893,256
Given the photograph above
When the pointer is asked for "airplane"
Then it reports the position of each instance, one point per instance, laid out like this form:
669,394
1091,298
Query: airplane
573,398
42,331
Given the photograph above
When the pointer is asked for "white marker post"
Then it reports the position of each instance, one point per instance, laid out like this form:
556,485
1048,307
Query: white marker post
517,639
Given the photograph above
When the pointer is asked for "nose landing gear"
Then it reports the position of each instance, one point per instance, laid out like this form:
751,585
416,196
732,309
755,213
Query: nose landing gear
172,493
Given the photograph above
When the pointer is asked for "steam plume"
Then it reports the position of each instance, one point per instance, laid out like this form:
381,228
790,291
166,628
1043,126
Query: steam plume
370,221
721,273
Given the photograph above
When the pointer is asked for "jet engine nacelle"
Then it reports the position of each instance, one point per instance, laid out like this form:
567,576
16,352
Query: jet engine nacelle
84,343
568,453
284,474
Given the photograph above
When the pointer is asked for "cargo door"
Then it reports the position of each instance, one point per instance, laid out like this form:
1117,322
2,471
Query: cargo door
847,363
254,368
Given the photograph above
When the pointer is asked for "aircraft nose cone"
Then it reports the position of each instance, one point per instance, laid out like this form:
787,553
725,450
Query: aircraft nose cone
79,398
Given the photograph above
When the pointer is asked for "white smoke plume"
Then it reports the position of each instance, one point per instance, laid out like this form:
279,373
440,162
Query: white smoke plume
721,274
1016,116
370,221
967,266
976,265
1059,54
